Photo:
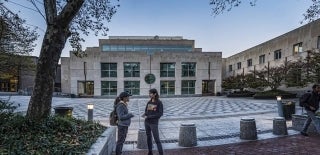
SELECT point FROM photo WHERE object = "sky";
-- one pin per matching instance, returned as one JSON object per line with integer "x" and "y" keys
{"x": 231, "y": 32}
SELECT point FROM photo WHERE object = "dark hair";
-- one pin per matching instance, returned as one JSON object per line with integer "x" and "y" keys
{"x": 154, "y": 91}
{"x": 315, "y": 86}
{"x": 116, "y": 101}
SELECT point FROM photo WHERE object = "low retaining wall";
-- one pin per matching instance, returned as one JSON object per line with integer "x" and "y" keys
{"x": 105, "y": 144}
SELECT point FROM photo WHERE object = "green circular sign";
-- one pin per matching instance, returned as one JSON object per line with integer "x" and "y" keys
{"x": 150, "y": 78}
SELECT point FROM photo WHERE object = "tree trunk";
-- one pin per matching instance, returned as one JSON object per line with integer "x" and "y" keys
{"x": 52, "y": 46}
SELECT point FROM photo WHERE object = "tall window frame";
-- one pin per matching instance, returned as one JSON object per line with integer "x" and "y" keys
{"x": 297, "y": 48}
{"x": 188, "y": 69}
{"x": 108, "y": 69}
{"x": 277, "y": 54}
{"x": 108, "y": 87}
{"x": 230, "y": 68}
{"x": 239, "y": 65}
{"x": 262, "y": 59}
{"x": 249, "y": 62}
{"x": 132, "y": 87}
{"x": 167, "y": 87}
{"x": 188, "y": 87}
{"x": 167, "y": 69}
{"x": 131, "y": 69}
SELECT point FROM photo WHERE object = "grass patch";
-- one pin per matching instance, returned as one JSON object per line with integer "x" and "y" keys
{"x": 54, "y": 135}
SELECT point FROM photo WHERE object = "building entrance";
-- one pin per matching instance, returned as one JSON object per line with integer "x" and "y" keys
{"x": 85, "y": 88}
{"x": 208, "y": 87}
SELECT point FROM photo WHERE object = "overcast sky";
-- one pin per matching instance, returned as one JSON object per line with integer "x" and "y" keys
{"x": 229, "y": 33}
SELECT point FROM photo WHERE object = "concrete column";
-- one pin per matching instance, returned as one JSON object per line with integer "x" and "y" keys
{"x": 142, "y": 139}
{"x": 280, "y": 126}
{"x": 188, "y": 135}
{"x": 248, "y": 129}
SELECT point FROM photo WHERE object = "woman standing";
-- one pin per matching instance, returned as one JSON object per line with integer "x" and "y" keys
{"x": 124, "y": 120}
{"x": 153, "y": 112}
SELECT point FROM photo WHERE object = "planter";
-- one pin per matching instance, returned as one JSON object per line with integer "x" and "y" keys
{"x": 63, "y": 111}
{"x": 286, "y": 109}
{"x": 298, "y": 122}
{"x": 105, "y": 144}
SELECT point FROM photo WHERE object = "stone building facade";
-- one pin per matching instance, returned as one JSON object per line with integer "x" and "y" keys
{"x": 137, "y": 63}
{"x": 290, "y": 46}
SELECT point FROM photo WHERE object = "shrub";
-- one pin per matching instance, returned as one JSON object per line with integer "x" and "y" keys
{"x": 54, "y": 135}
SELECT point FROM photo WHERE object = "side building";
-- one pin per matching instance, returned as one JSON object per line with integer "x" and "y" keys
{"x": 137, "y": 63}
{"x": 290, "y": 46}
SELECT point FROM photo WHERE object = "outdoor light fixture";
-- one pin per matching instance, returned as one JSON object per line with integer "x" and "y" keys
{"x": 90, "y": 105}
{"x": 278, "y": 98}
{"x": 90, "y": 111}
{"x": 280, "y": 106}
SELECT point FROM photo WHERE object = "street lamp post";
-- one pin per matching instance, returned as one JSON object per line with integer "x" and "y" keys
{"x": 90, "y": 111}
{"x": 280, "y": 107}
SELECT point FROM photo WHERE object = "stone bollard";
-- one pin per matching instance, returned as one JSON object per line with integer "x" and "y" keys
{"x": 248, "y": 129}
{"x": 188, "y": 135}
{"x": 142, "y": 139}
{"x": 280, "y": 126}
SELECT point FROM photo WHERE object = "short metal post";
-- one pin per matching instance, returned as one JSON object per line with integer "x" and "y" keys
{"x": 90, "y": 111}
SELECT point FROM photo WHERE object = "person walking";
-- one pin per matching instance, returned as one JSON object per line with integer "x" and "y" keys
{"x": 153, "y": 112}
{"x": 124, "y": 120}
{"x": 310, "y": 102}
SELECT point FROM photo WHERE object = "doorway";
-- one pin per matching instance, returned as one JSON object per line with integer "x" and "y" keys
{"x": 85, "y": 88}
{"x": 208, "y": 87}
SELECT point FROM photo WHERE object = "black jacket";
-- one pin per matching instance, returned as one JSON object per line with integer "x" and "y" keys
{"x": 153, "y": 111}
{"x": 311, "y": 99}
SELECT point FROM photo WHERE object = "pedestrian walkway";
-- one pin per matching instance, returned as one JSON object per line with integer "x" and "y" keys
{"x": 287, "y": 145}
{"x": 217, "y": 119}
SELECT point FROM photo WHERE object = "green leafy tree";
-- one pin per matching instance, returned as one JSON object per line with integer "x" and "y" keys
{"x": 219, "y": 6}
{"x": 313, "y": 66}
{"x": 65, "y": 19}
{"x": 16, "y": 42}
{"x": 234, "y": 82}
{"x": 272, "y": 77}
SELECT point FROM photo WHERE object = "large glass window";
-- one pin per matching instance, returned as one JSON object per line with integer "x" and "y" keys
{"x": 297, "y": 48}
{"x": 167, "y": 69}
{"x": 132, "y": 87}
{"x": 131, "y": 69}
{"x": 230, "y": 68}
{"x": 239, "y": 65}
{"x": 108, "y": 69}
{"x": 167, "y": 87}
{"x": 188, "y": 69}
{"x": 153, "y": 48}
{"x": 249, "y": 62}
{"x": 108, "y": 87}
{"x": 261, "y": 59}
{"x": 188, "y": 86}
{"x": 277, "y": 54}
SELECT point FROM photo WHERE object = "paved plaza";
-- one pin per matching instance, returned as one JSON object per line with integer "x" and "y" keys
{"x": 217, "y": 118}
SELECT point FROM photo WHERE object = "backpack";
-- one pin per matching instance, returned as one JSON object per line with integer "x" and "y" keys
{"x": 113, "y": 117}
{"x": 304, "y": 99}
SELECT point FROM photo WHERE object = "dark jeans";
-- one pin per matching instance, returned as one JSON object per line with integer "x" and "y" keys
{"x": 311, "y": 118}
{"x": 155, "y": 132}
{"x": 122, "y": 134}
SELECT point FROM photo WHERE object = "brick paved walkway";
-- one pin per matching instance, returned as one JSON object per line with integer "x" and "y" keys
{"x": 290, "y": 145}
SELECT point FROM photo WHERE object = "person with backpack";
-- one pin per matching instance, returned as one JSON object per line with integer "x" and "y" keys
{"x": 113, "y": 118}
{"x": 153, "y": 112}
{"x": 124, "y": 120}
{"x": 310, "y": 102}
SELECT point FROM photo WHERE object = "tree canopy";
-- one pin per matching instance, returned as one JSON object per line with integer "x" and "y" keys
{"x": 220, "y": 6}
